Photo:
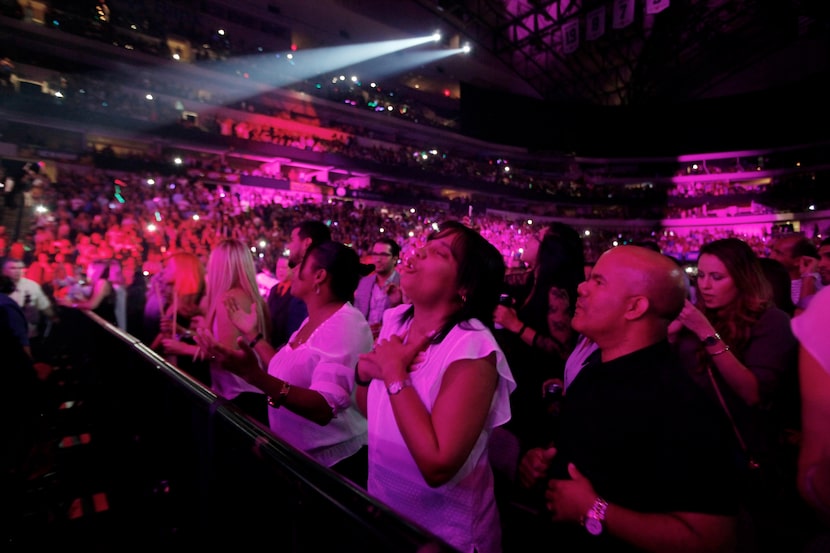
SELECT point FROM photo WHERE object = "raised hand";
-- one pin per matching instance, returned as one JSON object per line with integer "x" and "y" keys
{"x": 166, "y": 327}
{"x": 507, "y": 318}
{"x": 171, "y": 346}
{"x": 242, "y": 362}
{"x": 692, "y": 318}
{"x": 244, "y": 321}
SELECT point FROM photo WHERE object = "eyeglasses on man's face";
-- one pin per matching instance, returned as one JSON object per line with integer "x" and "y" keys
{"x": 382, "y": 254}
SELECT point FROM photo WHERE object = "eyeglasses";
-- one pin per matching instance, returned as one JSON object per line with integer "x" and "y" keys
{"x": 382, "y": 254}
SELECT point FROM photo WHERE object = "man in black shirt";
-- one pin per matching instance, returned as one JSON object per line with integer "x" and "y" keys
{"x": 642, "y": 461}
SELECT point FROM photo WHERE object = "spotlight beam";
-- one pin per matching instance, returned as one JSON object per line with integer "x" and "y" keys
{"x": 261, "y": 73}
{"x": 305, "y": 64}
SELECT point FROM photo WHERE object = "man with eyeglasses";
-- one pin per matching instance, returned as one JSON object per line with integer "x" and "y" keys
{"x": 380, "y": 290}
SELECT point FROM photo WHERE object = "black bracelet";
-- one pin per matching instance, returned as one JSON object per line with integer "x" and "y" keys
{"x": 357, "y": 379}
{"x": 533, "y": 342}
{"x": 253, "y": 342}
{"x": 519, "y": 334}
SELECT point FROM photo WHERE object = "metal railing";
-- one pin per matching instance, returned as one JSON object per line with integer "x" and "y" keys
{"x": 192, "y": 464}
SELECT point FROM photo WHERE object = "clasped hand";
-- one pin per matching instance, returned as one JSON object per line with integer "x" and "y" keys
{"x": 506, "y": 317}
{"x": 569, "y": 500}
{"x": 566, "y": 500}
{"x": 391, "y": 359}
{"x": 242, "y": 362}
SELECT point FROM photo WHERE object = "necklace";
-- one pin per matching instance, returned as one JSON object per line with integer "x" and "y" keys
{"x": 300, "y": 340}
{"x": 427, "y": 335}
{"x": 421, "y": 357}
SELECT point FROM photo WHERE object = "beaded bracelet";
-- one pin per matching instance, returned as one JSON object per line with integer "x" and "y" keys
{"x": 254, "y": 342}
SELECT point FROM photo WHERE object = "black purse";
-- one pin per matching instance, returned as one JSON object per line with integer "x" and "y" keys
{"x": 752, "y": 462}
{"x": 763, "y": 480}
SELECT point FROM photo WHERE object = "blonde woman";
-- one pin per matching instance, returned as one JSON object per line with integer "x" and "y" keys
{"x": 231, "y": 278}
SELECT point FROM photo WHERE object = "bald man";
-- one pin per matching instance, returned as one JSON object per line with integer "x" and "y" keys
{"x": 642, "y": 461}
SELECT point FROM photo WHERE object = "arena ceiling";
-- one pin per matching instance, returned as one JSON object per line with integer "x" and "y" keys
{"x": 689, "y": 50}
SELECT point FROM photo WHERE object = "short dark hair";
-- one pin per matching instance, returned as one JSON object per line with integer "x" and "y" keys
{"x": 9, "y": 259}
{"x": 342, "y": 264}
{"x": 779, "y": 280}
{"x": 803, "y": 246}
{"x": 396, "y": 249}
{"x": 316, "y": 230}
{"x": 7, "y": 285}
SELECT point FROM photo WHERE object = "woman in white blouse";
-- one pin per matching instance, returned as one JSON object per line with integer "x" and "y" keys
{"x": 310, "y": 380}
{"x": 435, "y": 387}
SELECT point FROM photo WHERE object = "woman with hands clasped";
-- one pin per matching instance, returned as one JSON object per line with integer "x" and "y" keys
{"x": 435, "y": 387}
{"x": 310, "y": 380}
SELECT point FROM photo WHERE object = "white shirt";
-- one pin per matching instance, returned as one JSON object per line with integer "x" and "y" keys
{"x": 36, "y": 296}
{"x": 810, "y": 327}
{"x": 324, "y": 363}
{"x": 578, "y": 358}
{"x": 463, "y": 511}
{"x": 37, "y": 300}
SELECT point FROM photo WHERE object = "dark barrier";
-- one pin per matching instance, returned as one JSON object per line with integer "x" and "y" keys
{"x": 216, "y": 475}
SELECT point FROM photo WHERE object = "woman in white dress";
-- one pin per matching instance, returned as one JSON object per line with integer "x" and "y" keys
{"x": 435, "y": 387}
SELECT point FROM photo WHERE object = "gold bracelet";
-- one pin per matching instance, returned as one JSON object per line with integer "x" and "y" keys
{"x": 278, "y": 401}
{"x": 719, "y": 352}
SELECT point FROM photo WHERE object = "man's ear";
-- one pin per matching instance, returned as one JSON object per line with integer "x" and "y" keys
{"x": 637, "y": 307}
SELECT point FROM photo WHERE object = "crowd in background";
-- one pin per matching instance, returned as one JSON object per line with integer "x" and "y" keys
{"x": 104, "y": 236}
{"x": 109, "y": 242}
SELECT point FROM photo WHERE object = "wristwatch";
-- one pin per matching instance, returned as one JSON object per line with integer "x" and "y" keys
{"x": 593, "y": 519}
{"x": 395, "y": 388}
{"x": 710, "y": 341}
